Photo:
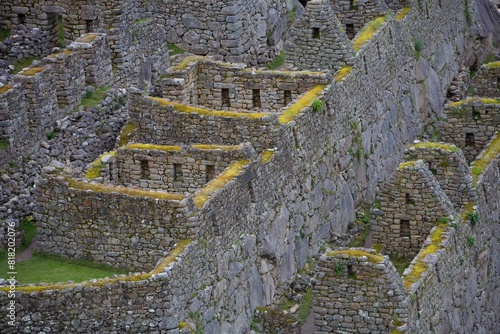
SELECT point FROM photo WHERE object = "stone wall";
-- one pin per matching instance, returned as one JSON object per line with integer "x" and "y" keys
{"x": 355, "y": 14}
{"x": 318, "y": 41}
{"x": 411, "y": 204}
{"x": 203, "y": 80}
{"x": 470, "y": 124}
{"x": 173, "y": 168}
{"x": 448, "y": 165}
{"x": 120, "y": 230}
{"x": 163, "y": 124}
{"x": 359, "y": 292}
{"x": 486, "y": 82}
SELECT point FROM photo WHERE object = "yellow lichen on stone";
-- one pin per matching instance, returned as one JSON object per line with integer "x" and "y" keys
{"x": 66, "y": 52}
{"x": 220, "y": 182}
{"x": 374, "y": 258}
{"x": 267, "y": 155}
{"x": 127, "y": 130}
{"x": 108, "y": 189}
{"x": 474, "y": 99}
{"x": 166, "y": 148}
{"x": 494, "y": 64}
{"x": 207, "y": 147}
{"x": 367, "y": 32}
{"x": 172, "y": 256}
{"x": 5, "y": 88}
{"x": 88, "y": 38}
{"x": 29, "y": 72}
{"x": 402, "y": 13}
{"x": 407, "y": 164}
{"x": 467, "y": 209}
{"x": 491, "y": 152}
{"x": 343, "y": 72}
{"x": 184, "y": 63}
{"x": 303, "y": 102}
{"x": 443, "y": 146}
{"x": 205, "y": 111}
{"x": 95, "y": 168}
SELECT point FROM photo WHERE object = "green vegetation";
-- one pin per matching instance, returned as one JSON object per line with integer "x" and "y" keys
{"x": 94, "y": 170}
{"x": 367, "y": 32}
{"x": 407, "y": 164}
{"x": 468, "y": 14}
{"x": 374, "y": 258}
{"x": 490, "y": 58}
{"x": 305, "y": 306}
{"x": 61, "y": 42}
{"x": 474, "y": 99}
{"x": 277, "y": 62}
{"x": 4, "y": 33}
{"x": 92, "y": 99}
{"x": 165, "y": 148}
{"x": 303, "y": 102}
{"x": 495, "y": 64}
{"x": 141, "y": 21}
{"x": 473, "y": 218}
{"x": 317, "y": 105}
{"x": 126, "y": 131}
{"x": 22, "y": 63}
{"x": 174, "y": 49}
{"x": 50, "y": 268}
{"x": 4, "y": 144}
{"x": 363, "y": 221}
{"x": 492, "y": 151}
{"x": 293, "y": 14}
{"x": 446, "y": 147}
{"x": 184, "y": 63}
{"x": 51, "y": 135}
{"x": 28, "y": 226}
{"x": 419, "y": 46}
{"x": 471, "y": 241}
{"x": 400, "y": 263}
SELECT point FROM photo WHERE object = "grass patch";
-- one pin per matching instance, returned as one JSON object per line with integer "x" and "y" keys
{"x": 108, "y": 189}
{"x": 4, "y": 34}
{"x": 367, "y": 32}
{"x": 362, "y": 220}
{"x": 165, "y": 148}
{"x": 407, "y": 164}
{"x": 276, "y": 62}
{"x": 474, "y": 99}
{"x": 419, "y": 46}
{"x": 400, "y": 263}
{"x": 490, "y": 58}
{"x": 184, "y": 63}
{"x": 374, "y": 258}
{"x": 141, "y": 21}
{"x": 343, "y": 73}
{"x": 306, "y": 100}
{"x": 22, "y": 63}
{"x": 4, "y": 144}
{"x": 402, "y": 13}
{"x": 220, "y": 182}
{"x": 31, "y": 71}
{"x": 88, "y": 38}
{"x": 94, "y": 170}
{"x": 468, "y": 210}
{"x": 208, "y": 147}
{"x": 50, "y": 268}
{"x": 174, "y": 49}
{"x": 92, "y": 99}
{"x": 205, "y": 111}
{"x": 427, "y": 144}
{"x": 305, "y": 306}
{"x": 491, "y": 152}
{"x": 127, "y": 130}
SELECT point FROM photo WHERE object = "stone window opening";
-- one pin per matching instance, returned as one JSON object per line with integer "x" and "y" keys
{"x": 352, "y": 5}
{"x": 469, "y": 140}
{"x": 145, "y": 170}
{"x": 226, "y": 100}
{"x": 498, "y": 79}
{"x": 404, "y": 229}
{"x": 316, "y": 33}
{"x": 110, "y": 171}
{"x": 287, "y": 95}
{"x": 252, "y": 192}
{"x": 21, "y": 18}
{"x": 89, "y": 26}
{"x": 350, "y": 271}
{"x": 349, "y": 30}
{"x": 303, "y": 3}
{"x": 365, "y": 66}
{"x": 409, "y": 199}
{"x": 209, "y": 173}
{"x": 256, "y": 102}
{"x": 177, "y": 172}
{"x": 295, "y": 139}
{"x": 433, "y": 170}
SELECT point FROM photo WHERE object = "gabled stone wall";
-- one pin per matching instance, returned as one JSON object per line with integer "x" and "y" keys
{"x": 354, "y": 14}
{"x": 411, "y": 204}
{"x": 470, "y": 124}
{"x": 486, "y": 82}
{"x": 448, "y": 165}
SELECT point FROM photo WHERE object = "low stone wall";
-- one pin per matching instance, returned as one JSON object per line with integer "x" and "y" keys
{"x": 161, "y": 123}
{"x": 102, "y": 225}
{"x": 173, "y": 168}
{"x": 359, "y": 292}
{"x": 486, "y": 82}
{"x": 470, "y": 124}
{"x": 448, "y": 165}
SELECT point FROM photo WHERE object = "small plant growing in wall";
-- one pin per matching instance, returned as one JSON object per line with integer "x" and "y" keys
{"x": 471, "y": 241}
{"x": 443, "y": 221}
{"x": 339, "y": 269}
{"x": 418, "y": 48}
{"x": 473, "y": 218}
{"x": 317, "y": 105}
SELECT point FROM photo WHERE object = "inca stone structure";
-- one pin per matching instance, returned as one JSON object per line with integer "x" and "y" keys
{"x": 216, "y": 182}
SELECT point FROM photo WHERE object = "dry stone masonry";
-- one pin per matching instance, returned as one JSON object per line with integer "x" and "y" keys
{"x": 286, "y": 178}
